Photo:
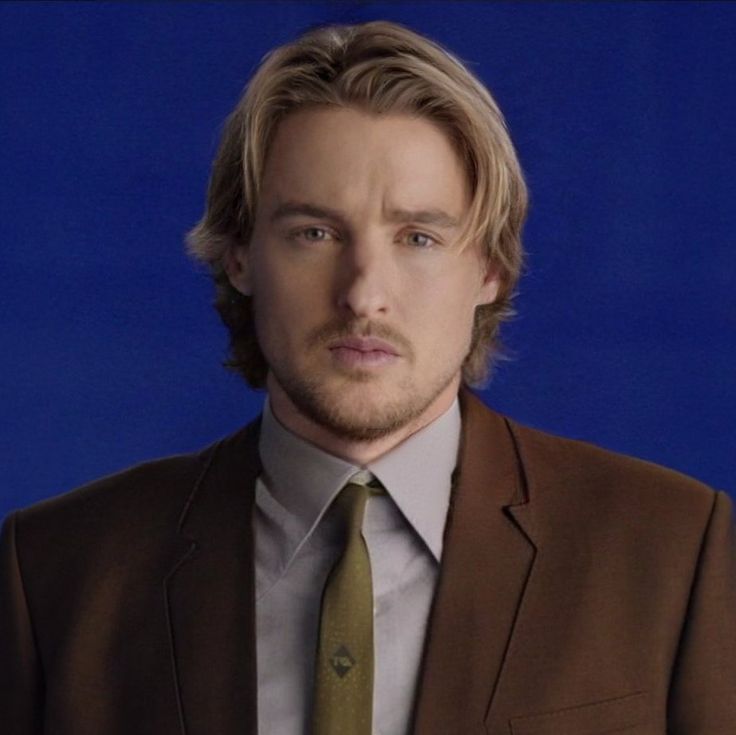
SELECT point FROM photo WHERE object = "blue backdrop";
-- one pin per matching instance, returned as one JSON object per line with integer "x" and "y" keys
{"x": 623, "y": 114}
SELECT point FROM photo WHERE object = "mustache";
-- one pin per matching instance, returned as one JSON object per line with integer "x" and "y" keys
{"x": 341, "y": 329}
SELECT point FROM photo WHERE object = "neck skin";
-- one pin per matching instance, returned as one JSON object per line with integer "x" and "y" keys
{"x": 357, "y": 452}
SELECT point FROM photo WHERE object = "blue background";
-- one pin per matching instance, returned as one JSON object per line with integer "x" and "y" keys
{"x": 623, "y": 115}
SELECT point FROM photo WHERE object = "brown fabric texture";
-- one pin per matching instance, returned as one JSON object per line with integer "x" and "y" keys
{"x": 580, "y": 593}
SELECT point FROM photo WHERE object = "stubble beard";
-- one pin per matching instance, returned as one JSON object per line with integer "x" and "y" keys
{"x": 331, "y": 404}
{"x": 354, "y": 421}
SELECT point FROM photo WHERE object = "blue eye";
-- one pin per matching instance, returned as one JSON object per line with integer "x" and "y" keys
{"x": 314, "y": 234}
{"x": 420, "y": 239}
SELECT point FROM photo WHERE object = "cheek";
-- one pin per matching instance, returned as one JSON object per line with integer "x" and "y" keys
{"x": 442, "y": 317}
{"x": 285, "y": 278}
{"x": 273, "y": 285}
{"x": 286, "y": 305}
{"x": 453, "y": 297}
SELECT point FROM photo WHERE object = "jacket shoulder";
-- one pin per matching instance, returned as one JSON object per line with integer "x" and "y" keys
{"x": 153, "y": 483}
{"x": 132, "y": 503}
{"x": 583, "y": 472}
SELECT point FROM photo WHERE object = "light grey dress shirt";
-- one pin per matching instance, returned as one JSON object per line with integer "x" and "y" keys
{"x": 298, "y": 541}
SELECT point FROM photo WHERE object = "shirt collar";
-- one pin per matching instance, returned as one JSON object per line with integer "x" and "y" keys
{"x": 304, "y": 479}
{"x": 418, "y": 474}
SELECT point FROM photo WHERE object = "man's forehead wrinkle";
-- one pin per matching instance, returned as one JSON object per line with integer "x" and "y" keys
{"x": 286, "y": 209}
{"x": 434, "y": 216}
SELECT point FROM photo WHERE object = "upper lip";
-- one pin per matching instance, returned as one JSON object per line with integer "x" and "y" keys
{"x": 364, "y": 344}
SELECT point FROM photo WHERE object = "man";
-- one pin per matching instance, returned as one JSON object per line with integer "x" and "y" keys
{"x": 379, "y": 552}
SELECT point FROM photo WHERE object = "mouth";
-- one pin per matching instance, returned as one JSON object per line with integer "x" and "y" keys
{"x": 365, "y": 352}
{"x": 364, "y": 344}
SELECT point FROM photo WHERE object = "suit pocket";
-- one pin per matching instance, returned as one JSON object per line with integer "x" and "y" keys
{"x": 622, "y": 714}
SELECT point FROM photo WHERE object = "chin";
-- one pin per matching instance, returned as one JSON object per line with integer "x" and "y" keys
{"x": 358, "y": 411}
{"x": 357, "y": 403}
{"x": 359, "y": 424}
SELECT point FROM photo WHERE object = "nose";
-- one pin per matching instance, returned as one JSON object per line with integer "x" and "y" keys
{"x": 364, "y": 278}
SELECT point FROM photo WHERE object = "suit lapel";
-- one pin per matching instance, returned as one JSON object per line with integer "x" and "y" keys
{"x": 209, "y": 594}
{"x": 487, "y": 559}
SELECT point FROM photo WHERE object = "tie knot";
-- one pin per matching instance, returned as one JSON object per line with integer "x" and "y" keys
{"x": 375, "y": 487}
{"x": 353, "y": 498}
{"x": 367, "y": 478}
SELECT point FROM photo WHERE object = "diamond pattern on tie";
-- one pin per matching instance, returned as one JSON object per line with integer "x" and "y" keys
{"x": 342, "y": 661}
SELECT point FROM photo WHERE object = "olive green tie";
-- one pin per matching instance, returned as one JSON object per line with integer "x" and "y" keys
{"x": 343, "y": 695}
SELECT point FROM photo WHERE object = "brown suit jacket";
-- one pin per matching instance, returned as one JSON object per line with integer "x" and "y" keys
{"x": 580, "y": 593}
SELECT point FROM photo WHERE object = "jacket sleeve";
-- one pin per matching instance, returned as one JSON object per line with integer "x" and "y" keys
{"x": 21, "y": 681}
{"x": 703, "y": 688}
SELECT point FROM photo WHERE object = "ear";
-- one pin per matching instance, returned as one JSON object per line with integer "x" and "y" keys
{"x": 236, "y": 262}
{"x": 490, "y": 285}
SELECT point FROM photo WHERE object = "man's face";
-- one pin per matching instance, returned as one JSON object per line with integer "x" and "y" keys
{"x": 363, "y": 297}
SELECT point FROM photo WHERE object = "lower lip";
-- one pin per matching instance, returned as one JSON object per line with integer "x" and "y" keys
{"x": 356, "y": 358}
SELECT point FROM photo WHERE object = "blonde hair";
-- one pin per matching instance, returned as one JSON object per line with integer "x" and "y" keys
{"x": 379, "y": 67}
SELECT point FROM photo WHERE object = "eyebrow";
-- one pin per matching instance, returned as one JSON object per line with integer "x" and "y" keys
{"x": 435, "y": 217}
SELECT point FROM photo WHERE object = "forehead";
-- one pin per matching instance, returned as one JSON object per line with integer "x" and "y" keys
{"x": 354, "y": 159}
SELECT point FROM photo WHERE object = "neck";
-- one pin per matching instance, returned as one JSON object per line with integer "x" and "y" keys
{"x": 357, "y": 452}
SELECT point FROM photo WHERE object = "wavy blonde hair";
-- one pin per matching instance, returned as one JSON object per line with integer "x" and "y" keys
{"x": 379, "y": 67}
